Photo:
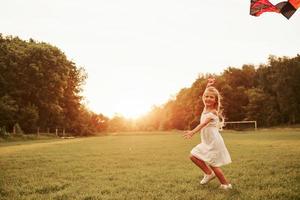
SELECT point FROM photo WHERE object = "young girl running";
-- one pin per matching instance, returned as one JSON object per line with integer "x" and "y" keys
{"x": 211, "y": 153}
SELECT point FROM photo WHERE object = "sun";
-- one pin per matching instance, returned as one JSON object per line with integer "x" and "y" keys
{"x": 133, "y": 108}
{"x": 127, "y": 105}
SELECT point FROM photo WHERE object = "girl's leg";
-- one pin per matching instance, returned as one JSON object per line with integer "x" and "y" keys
{"x": 219, "y": 173}
{"x": 201, "y": 164}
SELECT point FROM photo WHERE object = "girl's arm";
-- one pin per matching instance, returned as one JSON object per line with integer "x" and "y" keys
{"x": 189, "y": 134}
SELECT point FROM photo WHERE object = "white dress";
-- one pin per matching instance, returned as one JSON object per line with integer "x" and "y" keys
{"x": 212, "y": 149}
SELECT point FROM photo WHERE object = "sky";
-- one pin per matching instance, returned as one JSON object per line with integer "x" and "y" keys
{"x": 139, "y": 53}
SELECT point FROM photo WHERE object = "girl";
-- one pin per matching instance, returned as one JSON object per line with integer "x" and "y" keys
{"x": 211, "y": 153}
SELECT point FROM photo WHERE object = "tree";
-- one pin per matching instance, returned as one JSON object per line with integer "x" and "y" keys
{"x": 42, "y": 83}
{"x": 262, "y": 107}
{"x": 8, "y": 111}
{"x": 28, "y": 117}
{"x": 117, "y": 123}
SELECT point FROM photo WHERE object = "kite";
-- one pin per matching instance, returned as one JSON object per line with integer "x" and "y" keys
{"x": 258, "y": 7}
{"x": 286, "y": 8}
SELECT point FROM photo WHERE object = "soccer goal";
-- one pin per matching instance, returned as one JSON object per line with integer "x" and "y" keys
{"x": 240, "y": 125}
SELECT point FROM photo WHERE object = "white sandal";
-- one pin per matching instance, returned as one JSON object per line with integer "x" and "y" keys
{"x": 226, "y": 187}
{"x": 207, "y": 178}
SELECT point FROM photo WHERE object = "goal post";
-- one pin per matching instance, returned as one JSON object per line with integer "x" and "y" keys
{"x": 242, "y": 122}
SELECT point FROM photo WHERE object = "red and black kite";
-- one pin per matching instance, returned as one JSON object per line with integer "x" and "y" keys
{"x": 286, "y": 8}
{"x": 258, "y": 7}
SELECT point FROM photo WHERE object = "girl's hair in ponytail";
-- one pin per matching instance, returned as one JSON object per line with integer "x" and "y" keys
{"x": 218, "y": 105}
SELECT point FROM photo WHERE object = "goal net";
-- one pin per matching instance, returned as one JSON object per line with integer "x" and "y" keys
{"x": 240, "y": 125}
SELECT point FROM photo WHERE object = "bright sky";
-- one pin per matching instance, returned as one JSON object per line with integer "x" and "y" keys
{"x": 139, "y": 53}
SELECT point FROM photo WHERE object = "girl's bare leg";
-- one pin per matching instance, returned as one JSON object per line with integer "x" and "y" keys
{"x": 201, "y": 164}
{"x": 219, "y": 173}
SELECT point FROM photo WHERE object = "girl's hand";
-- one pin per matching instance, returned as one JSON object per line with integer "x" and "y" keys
{"x": 210, "y": 81}
{"x": 188, "y": 134}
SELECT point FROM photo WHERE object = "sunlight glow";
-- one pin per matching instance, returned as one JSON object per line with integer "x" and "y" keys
{"x": 136, "y": 91}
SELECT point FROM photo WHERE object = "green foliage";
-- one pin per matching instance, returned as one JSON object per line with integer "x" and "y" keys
{"x": 8, "y": 111}
{"x": 28, "y": 117}
{"x": 262, "y": 107}
{"x": 39, "y": 87}
{"x": 3, "y": 132}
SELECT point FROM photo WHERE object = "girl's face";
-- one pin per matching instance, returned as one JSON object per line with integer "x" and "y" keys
{"x": 209, "y": 99}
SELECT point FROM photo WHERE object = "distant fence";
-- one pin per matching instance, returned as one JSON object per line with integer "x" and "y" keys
{"x": 57, "y": 131}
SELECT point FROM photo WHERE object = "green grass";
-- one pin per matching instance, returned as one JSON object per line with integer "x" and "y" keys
{"x": 266, "y": 165}
{"x": 26, "y": 137}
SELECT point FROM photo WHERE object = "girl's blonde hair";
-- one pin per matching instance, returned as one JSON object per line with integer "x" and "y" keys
{"x": 218, "y": 105}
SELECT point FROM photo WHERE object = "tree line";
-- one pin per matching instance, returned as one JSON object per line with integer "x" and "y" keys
{"x": 40, "y": 87}
{"x": 268, "y": 93}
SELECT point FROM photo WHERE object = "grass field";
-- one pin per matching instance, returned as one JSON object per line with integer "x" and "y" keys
{"x": 266, "y": 165}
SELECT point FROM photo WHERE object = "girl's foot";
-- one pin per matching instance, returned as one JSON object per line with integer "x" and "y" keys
{"x": 207, "y": 178}
{"x": 226, "y": 187}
